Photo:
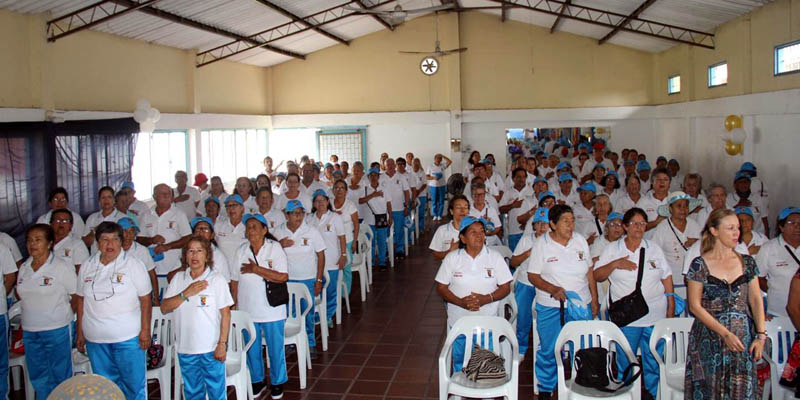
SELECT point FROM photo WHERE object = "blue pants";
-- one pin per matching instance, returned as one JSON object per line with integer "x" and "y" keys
{"x": 273, "y": 333}
{"x": 399, "y": 238}
{"x": 437, "y": 198}
{"x": 379, "y": 236}
{"x": 330, "y": 296}
{"x": 524, "y": 295}
{"x": 423, "y": 202}
{"x": 310, "y": 316}
{"x": 348, "y": 269}
{"x": 639, "y": 339}
{"x": 513, "y": 240}
{"x": 48, "y": 357}
{"x": 4, "y": 357}
{"x": 123, "y": 363}
{"x": 548, "y": 326}
{"x": 203, "y": 375}
{"x": 459, "y": 348}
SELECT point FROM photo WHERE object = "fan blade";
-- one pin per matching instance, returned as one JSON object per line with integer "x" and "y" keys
{"x": 416, "y": 52}
{"x": 430, "y": 9}
{"x": 364, "y": 11}
{"x": 451, "y": 51}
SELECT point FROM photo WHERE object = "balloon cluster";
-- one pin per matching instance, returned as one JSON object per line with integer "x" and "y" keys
{"x": 146, "y": 116}
{"x": 734, "y": 139}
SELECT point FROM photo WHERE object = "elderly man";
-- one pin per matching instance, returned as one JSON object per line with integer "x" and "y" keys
{"x": 186, "y": 197}
{"x": 167, "y": 228}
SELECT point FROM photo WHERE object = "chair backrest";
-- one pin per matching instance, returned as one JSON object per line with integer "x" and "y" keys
{"x": 240, "y": 321}
{"x": 162, "y": 329}
{"x": 675, "y": 334}
{"x": 485, "y": 331}
{"x": 781, "y": 332}
{"x": 504, "y": 251}
{"x": 585, "y": 334}
{"x": 366, "y": 230}
{"x": 15, "y": 310}
{"x": 297, "y": 292}
{"x": 508, "y": 309}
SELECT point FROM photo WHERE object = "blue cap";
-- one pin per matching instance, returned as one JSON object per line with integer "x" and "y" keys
{"x": 234, "y": 198}
{"x": 282, "y": 175}
{"x": 613, "y": 216}
{"x": 786, "y": 212}
{"x": 545, "y": 194}
{"x": 257, "y": 217}
{"x": 215, "y": 199}
{"x": 127, "y": 185}
{"x": 643, "y": 166}
{"x": 155, "y": 256}
{"x": 486, "y": 161}
{"x": 542, "y": 215}
{"x": 744, "y": 210}
{"x": 564, "y": 177}
{"x": 197, "y": 220}
{"x": 563, "y": 165}
{"x": 328, "y": 165}
{"x": 748, "y": 166}
{"x": 661, "y": 158}
{"x": 319, "y": 192}
{"x": 741, "y": 175}
{"x": 584, "y": 145}
{"x": 373, "y": 171}
{"x": 539, "y": 179}
{"x": 292, "y": 205}
{"x": 127, "y": 223}
{"x": 588, "y": 187}
{"x": 614, "y": 173}
{"x": 467, "y": 221}
{"x": 599, "y": 165}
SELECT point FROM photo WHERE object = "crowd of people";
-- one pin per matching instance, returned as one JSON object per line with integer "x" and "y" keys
{"x": 575, "y": 217}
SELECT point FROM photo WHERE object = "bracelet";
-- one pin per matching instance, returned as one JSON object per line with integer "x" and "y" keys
{"x": 491, "y": 297}
{"x": 319, "y": 280}
{"x": 184, "y": 297}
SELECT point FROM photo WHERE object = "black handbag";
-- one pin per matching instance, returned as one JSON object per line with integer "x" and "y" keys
{"x": 381, "y": 220}
{"x": 277, "y": 293}
{"x": 633, "y": 306}
{"x": 595, "y": 367}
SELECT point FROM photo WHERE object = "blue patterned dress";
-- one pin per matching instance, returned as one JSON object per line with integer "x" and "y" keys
{"x": 712, "y": 370}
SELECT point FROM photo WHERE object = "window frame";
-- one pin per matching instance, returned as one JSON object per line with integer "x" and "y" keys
{"x": 775, "y": 58}
{"x": 708, "y": 74}
{"x": 201, "y": 131}
{"x": 150, "y": 146}
{"x": 669, "y": 78}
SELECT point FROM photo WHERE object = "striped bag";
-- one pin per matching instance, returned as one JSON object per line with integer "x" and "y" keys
{"x": 484, "y": 365}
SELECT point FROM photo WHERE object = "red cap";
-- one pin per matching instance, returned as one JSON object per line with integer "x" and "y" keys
{"x": 200, "y": 179}
{"x": 598, "y": 146}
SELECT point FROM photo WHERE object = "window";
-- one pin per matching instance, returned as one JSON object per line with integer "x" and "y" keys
{"x": 231, "y": 153}
{"x": 718, "y": 74}
{"x": 291, "y": 144}
{"x": 157, "y": 157}
{"x": 674, "y": 84}
{"x": 347, "y": 144}
{"x": 787, "y": 58}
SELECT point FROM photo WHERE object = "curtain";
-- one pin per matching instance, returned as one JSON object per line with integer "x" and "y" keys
{"x": 81, "y": 156}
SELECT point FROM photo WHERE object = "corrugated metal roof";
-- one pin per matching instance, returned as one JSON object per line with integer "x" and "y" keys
{"x": 246, "y": 17}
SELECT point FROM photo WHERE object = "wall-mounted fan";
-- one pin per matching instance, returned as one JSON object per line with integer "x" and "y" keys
{"x": 398, "y": 15}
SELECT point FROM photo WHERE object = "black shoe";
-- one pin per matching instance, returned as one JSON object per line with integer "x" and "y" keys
{"x": 258, "y": 388}
{"x": 277, "y": 391}
{"x": 544, "y": 396}
{"x": 313, "y": 353}
{"x": 382, "y": 267}
{"x": 401, "y": 256}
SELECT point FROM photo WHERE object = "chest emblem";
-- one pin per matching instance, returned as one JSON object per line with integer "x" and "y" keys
{"x": 328, "y": 227}
{"x": 47, "y": 281}
{"x": 580, "y": 255}
{"x": 203, "y": 301}
{"x": 66, "y": 252}
{"x": 305, "y": 241}
{"x": 653, "y": 264}
{"x": 118, "y": 277}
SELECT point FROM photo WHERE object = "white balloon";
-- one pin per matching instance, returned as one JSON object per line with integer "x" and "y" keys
{"x": 738, "y": 135}
{"x": 147, "y": 126}
{"x": 142, "y": 104}
{"x": 154, "y": 115}
{"x": 140, "y": 115}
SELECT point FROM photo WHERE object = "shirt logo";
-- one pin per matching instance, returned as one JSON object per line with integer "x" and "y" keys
{"x": 328, "y": 227}
{"x": 269, "y": 262}
{"x": 489, "y": 272}
{"x": 781, "y": 263}
{"x": 203, "y": 301}
{"x": 552, "y": 259}
{"x": 580, "y": 255}
{"x": 118, "y": 277}
{"x": 305, "y": 241}
{"x": 271, "y": 224}
{"x": 171, "y": 224}
{"x": 47, "y": 281}
{"x": 66, "y": 252}
{"x": 653, "y": 264}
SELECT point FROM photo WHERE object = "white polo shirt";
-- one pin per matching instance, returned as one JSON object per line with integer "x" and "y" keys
{"x": 375, "y": 205}
{"x": 305, "y": 200}
{"x": 201, "y": 207}
{"x": 46, "y": 294}
{"x": 330, "y": 226}
{"x": 670, "y": 244}
{"x": 421, "y": 180}
{"x": 139, "y": 207}
{"x": 570, "y": 199}
{"x": 775, "y": 264}
{"x": 443, "y": 236}
{"x": 394, "y": 187}
{"x": 434, "y": 169}
{"x": 188, "y": 206}
{"x": 464, "y": 275}
{"x": 346, "y": 211}
{"x": 230, "y": 238}
{"x": 302, "y": 254}
{"x": 584, "y": 219}
{"x": 197, "y": 321}
{"x": 598, "y": 246}
{"x": 275, "y": 218}
{"x": 252, "y": 287}
{"x": 757, "y": 206}
{"x": 7, "y": 266}
{"x": 623, "y": 282}
{"x": 111, "y": 309}
{"x": 497, "y": 181}
{"x": 650, "y": 205}
{"x": 526, "y": 242}
{"x": 590, "y": 228}
{"x": 411, "y": 179}
{"x": 78, "y": 227}
{"x": 221, "y": 264}
{"x": 172, "y": 225}
{"x": 72, "y": 250}
{"x": 757, "y": 240}
{"x": 142, "y": 254}
{"x": 511, "y": 196}
{"x": 97, "y": 218}
{"x": 564, "y": 266}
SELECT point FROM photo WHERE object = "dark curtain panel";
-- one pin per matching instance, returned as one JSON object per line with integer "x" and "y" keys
{"x": 81, "y": 156}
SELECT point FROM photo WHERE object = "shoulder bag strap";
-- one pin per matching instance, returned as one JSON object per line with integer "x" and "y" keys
{"x": 641, "y": 270}
{"x": 786, "y": 246}
{"x": 676, "y": 235}
{"x": 599, "y": 229}
{"x": 368, "y": 205}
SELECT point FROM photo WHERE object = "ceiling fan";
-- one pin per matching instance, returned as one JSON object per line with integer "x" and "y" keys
{"x": 437, "y": 50}
{"x": 398, "y": 15}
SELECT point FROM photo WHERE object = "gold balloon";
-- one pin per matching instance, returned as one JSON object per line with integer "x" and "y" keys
{"x": 733, "y": 148}
{"x": 732, "y": 122}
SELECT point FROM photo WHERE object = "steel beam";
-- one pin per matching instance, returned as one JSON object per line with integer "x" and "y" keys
{"x": 281, "y": 31}
{"x": 377, "y": 18}
{"x": 627, "y": 20}
{"x": 503, "y": 13}
{"x": 613, "y": 20}
{"x": 308, "y": 21}
{"x": 90, "y": 16}
{"x": 560, "y": 15}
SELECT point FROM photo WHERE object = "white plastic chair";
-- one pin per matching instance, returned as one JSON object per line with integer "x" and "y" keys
{"x": 295, "y": 329}
{"x": 504, "y": 251}
{"x": 341, "y": 293}
{"x": 368, "y": 250}
{"x": 162, "y": 330}
{"x": 781, "y": 333}
{"x": 362, "y": 268}
{"x": 80, "y": 363}
{"x": 390, "y": 245}
{"x": 505, "y": 231}
{"x": 675, "y": 334}
{"x": 236, "y": 372}
{"x": 321, "y": 308}
{"x": 584, "y": 334}
{"x": 487, "y": 330}
{"x": 18, "y": 360}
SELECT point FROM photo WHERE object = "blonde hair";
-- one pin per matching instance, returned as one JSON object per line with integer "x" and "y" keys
{"x": 713, "y": 221}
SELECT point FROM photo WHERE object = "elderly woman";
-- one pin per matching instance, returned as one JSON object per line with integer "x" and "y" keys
{"x": 471, "y": 279}
{"x": 293, "y": 192}
{"x": 593, "y": 229}
{"x": 211, "y": 209}
{"x": 67, "y": 246}
{"x": 258, "y": 262}
{"x": 677, "y": 233}
{"x": 610, "y": 186}
{"x": 266, "y": 207}
{"x": 725, "y": 299}
{"x": 216, "y": 190}
{"x": 203, "y": 228}
{"x": 612, "y": 232}
{"x": 422, "y": 194}
{"x": 46, "y": 287}
{"x": 481, "y": 209}
{"x": 748, "y": 237}
{"x": 246, "y": 190}
{"x": 349, "y": 213}
{"x": 446, "y": 239}
{"x": 57, "y": 200}
{"x": 105, "y": 197}
{"x": 619, "y": 264}
{"x": 632, "y": 196}
{"x": 113, "y": 304}
{"x": 331, "y": 227}
{"x": 377, "y": 202}
{"x": 777, "y": 261}
{"x": 201, "y": 302}
{"x": 559, "y": 262}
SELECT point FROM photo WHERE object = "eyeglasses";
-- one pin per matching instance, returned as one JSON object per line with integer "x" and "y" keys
{"x": 104, "y": 295}
{"x": 62, "y": 221}
{"x": 616, "y": 225}
{"x": 638, "y": 224}
{"x": 203, "y": 229}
